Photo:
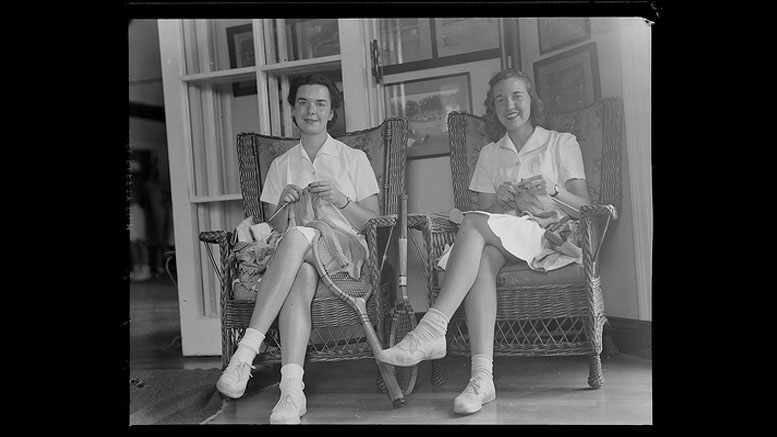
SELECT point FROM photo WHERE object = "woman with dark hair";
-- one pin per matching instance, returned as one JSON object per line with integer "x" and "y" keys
{"x": 526, "y": 160}
{"x": 343, "y": 178}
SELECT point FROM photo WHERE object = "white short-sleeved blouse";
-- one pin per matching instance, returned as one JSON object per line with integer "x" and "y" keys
{"x": 555, "y": 155}
{"x": 348, "y": 168}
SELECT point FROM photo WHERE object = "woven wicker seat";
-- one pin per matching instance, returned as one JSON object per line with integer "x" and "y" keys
{"x": 541, "y": 314}
{"x": 336, "y": 331}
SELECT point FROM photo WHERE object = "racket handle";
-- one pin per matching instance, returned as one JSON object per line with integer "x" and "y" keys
{"x": 402, "y": 243}
{"x": 386, "y": 371}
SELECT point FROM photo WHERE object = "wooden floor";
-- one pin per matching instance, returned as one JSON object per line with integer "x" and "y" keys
{"x": 529, "y": 391}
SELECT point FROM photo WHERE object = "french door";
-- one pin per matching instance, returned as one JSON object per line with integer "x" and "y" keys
{"x": 224, "y": 77}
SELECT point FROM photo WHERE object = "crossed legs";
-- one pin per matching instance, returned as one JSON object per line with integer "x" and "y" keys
{"x": 286, "y": 291}
{"x": 470, "y": 277}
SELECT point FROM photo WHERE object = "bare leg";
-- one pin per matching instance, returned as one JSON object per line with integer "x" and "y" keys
{"x": 288, "y": 283}
{"x": 480, "y": 303}
{"x": 474, "y": 261}
{"x": 294, "y": 321}
{"x": 278, "y": 280}
{"x": 465, "y": 261}
{"x": 295, "y": 324}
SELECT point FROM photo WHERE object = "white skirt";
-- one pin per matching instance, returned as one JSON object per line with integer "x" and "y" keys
{"x": 520, "y": 236}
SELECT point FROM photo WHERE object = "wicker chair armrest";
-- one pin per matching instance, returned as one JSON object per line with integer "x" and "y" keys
{"x": 381, "y": 221}
{"x": 593, "y": 211}
{"x": 599, "y": 215}
{"x": 213, "y": 237}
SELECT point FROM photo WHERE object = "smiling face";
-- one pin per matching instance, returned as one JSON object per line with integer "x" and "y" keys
{"x": 512, "y": 104}
{"x": 312, "y": 109}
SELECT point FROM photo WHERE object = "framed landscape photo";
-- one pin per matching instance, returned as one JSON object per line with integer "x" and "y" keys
{"x": 426, "y": 104}
{"x": 569, "y": 80}
{"x": 240, "y": 44}
{"x": 556, "y": 33}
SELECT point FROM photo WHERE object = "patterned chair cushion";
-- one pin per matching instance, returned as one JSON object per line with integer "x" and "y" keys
{"x": 520, "y": 275}
{"x": 586, "y": 125}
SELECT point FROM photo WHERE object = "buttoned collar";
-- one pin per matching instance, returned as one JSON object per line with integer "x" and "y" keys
{"x": 537, "y": 139}
{"x": 328, "y": 148}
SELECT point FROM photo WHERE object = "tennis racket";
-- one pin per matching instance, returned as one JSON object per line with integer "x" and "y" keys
{"x": 356, "y": 294}
{"x": 403, "y": 318}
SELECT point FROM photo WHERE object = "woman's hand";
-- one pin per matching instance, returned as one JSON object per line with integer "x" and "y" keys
{"x": 505, "y": 195}
{"x": 327, "y": 191}
{"x": 538, "y": 185}
{"x": 290, "y": 193}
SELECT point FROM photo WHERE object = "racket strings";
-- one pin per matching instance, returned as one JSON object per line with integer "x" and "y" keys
{"x": 403, "y": 321}
{"x": 331, "y": 269}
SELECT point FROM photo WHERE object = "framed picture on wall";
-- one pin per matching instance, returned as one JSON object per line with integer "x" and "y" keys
{"x": 557, "y": 33}
{"x": 240, "y": 44}
{"x": 569, "y": 80}
{"x": 426, "y": 104}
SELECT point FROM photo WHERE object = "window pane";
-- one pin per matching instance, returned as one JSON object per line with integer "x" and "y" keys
{"x": 215, "y": 45}
{"x": 465, "y": 35}
{"x": 405, "y": 40}
{"x": 297, "y": 39}
{"x": 218, "y": 112}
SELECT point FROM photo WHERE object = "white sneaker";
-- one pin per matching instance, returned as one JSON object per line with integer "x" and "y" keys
{"x": 411, "y": 351}
{"x": 479, "y": 391}
{"x": 234, "y": 379}
{"x": 289, "y": 409}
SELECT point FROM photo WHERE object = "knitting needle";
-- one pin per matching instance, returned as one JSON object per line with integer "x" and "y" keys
{"x": 267, "y": 238}
{"x": 566, "y": 204}
{"x": 277, "y": 211}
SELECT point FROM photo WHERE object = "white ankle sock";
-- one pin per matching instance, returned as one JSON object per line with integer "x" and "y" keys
{"x": 482, "y": 365}
{"x": 249, "y": 345}
{"x": 433, "y": 325}
{"x": 291, "y": 379}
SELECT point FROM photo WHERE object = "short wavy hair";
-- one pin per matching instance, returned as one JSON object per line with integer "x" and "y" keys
{"x": 494, "y": 129}
{"x": 316, "y": 79}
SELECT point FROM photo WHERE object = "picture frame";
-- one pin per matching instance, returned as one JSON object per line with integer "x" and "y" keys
{"x": 411, "y": 44}
{"x": 426, "y": 104}
{"x": 557, "y": 33}
{"x": 240, "y": 45}
{"x": 569, "y": 80}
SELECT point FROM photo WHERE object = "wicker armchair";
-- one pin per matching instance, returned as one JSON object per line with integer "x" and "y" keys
{"x": 336, "y": 331}
{"x": 541, "y": 314}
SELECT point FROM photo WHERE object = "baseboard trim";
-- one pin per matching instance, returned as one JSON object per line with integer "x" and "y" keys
{"x": 632, "y": 336}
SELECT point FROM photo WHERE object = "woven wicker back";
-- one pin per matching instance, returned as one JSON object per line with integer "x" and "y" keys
{"x": 599, "y": 131}
{"x": 385, "y": 146}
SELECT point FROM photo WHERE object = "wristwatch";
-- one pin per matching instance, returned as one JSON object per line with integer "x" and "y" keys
{"x": 347, "y": 202}
{"x": 555, "y": 192}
